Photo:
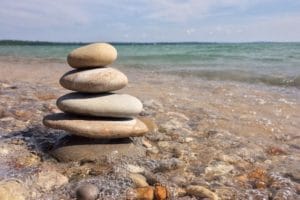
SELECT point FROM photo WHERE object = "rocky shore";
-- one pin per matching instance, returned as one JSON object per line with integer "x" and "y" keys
{"x": 207, "y": 140}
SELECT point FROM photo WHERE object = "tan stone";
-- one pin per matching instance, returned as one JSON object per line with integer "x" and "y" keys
{"x": 92, "y": 55}
{"x": 100, "y": 105}
{"x": 138, "y": 180}
{"x": 12, "y": 190}
{"x": 50, "y": 179}
{"x": 94, "y": 80}
{"x": 202, "y": 192}
{"x": 96, "y": 127}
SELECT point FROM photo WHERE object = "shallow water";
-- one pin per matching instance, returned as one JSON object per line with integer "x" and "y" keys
{"x": 268, "y": 63}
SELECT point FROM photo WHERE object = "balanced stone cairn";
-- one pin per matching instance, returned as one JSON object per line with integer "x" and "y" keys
{"x": 93, "y": 112}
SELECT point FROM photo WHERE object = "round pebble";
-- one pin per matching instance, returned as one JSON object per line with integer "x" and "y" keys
{"x": 87, "y": 192}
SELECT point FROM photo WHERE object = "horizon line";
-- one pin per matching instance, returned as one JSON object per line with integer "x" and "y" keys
{"x": 20, "y": 42}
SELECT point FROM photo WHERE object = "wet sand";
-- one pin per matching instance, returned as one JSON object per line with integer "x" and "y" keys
{"x": 240, "y": 141}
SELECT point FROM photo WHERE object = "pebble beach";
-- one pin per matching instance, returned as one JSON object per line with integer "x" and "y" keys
{"x": 207, "y": 138}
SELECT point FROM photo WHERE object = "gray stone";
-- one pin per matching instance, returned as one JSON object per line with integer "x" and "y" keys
{"x": 87, "y": 192}
{"x": 101, "y": 105}
{"x": 94, "y": 80}
{"x": 93, "y": 55}
{"x": 80, "y": 149}
{"x": 94, "y": 127}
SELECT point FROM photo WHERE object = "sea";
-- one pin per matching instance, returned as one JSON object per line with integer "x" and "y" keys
{"x": 275, "y": 64}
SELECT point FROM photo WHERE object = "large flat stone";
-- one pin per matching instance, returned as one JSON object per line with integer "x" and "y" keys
{"x": 94, "y": 80}
{"x": 82, "y": 149}
{"x": 94, "y": 127}
{"x": 101, "y": 105}
{"x": 93, "y": 55}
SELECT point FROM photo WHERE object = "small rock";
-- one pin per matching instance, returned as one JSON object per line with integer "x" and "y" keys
{"x": 150, "y": 124}
{"x": 135, "y": 169}
{"x": 218, "y": 170}
{"x": 160, "y": 192}
{"x": 152, "y": 150}
{"x": 23, "y": 115}
{"x": 87, "y": 192}
{"x": 189, "y": 139}
{"x": 169, "y": 164}
{"x": 179, "y": 180}
{"x": 202, "y": 192}
{"x": 142, "y": 193}
{"x": 146, "y": 143}
{"x": 138, "y": 180}
{"x": 45, "y": 96}
{"x": 163, "y": 144}
{"x": 151, "y": 177}
{"x": 12, "y": 190}
{"x": 48, "y": 180}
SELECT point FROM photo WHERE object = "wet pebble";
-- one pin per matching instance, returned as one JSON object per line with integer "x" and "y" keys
{"x": 12, "y": 190}
{"x": 87, "y": 192}
{"x": 202, "y": 192}
{"x": 138, "y": 180}
{"x": 142, "y": 193}
{"x": 169, "y": 164}
{"x": 135, "y": 169}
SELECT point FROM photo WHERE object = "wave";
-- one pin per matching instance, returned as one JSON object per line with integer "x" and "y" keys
{"x": 240, "y": 76}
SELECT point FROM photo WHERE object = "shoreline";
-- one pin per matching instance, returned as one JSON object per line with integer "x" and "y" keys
{"x": 232, "y": 138}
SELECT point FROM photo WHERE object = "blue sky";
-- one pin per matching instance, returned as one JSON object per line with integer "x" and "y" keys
{"x": 150, "y": 20}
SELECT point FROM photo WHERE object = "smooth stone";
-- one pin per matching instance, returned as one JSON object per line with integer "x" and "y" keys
{"x": 94, "y": 80}
{"x": 138, "y": 180}
{"x": 100, "y": 105}
{"x": 80, "y": 149}
{"x": 87, "y": 192}
{"x": 92, "y": 55}
{"x": 93, "y": 127}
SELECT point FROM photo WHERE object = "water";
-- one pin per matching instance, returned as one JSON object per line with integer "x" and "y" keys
{"x": 269, "y": 63}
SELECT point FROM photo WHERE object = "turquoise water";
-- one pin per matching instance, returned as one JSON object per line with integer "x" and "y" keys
{"x": 268, "y": 63}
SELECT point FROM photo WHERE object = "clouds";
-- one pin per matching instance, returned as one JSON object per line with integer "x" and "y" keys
{"x": 150, "y": 20}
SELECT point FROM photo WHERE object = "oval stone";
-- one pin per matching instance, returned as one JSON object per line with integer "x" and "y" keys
{"x": 74, "y": 148}
{"x": 94, "y": 127}
{"x": 94, "y": 80}
{"x": 101, "y": 105}
{"x": 92, "y": 55}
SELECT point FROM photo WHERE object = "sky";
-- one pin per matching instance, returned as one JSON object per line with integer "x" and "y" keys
{"x": 150, "y": 20}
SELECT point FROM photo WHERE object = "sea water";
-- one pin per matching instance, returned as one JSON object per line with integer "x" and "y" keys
{"x": 268, "y": 63}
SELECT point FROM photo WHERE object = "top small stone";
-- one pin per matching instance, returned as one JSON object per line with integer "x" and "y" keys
{"x": 92, "y": 55}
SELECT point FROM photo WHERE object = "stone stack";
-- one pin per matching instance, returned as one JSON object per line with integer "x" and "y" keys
{"x": 94, "y": 113}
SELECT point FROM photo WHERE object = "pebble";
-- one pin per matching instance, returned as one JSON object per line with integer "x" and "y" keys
{"x": 135, "y": 169}
{"x": 87, "y": 192}
{"x": 50, "y": 179}
{"x": 94, "y": 80}
{"x": 160, "y": 192}
{"x": 169, "y": 164}
{"x": 12, "y": 190}
{"x": 93, "y": 127}
{"x": 202, "y": 192}
{"x": 92, "y": 55}
{"x": 142, "y": 193}
{"x": 138, "y": 180}
{"x": 100, "y": 105}
{"x": 96, "y": 152}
